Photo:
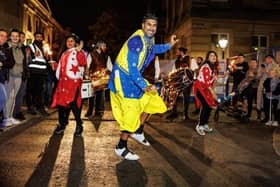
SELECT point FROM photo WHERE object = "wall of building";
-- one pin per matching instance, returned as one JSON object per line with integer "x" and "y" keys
{"x": 30, "y": 16}
{"x": 195, "y": 34}
{"x": 10, "y": 14}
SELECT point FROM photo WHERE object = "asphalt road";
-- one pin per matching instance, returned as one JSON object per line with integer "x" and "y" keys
{"x": 235, "y": 154}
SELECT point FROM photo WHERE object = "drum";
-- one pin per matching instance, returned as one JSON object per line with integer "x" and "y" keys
{"x": 87, "y": 89}
{"x": 174, "y": 84}
{"x": 100, "y": 79}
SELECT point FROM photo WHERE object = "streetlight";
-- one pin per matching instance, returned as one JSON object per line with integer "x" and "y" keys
{"x": 223, "y": 44}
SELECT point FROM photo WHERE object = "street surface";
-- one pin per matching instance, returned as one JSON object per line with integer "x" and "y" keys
{"x": 235, "y": 154}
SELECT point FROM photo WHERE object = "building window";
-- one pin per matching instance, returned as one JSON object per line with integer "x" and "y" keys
{"x": 259, "y": 41}
{"x": 29, "y": 23}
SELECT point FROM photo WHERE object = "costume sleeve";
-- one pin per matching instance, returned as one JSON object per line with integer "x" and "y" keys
{"x": 135, "y": 46}
{"x": 207, "y": 76}
{"x": 81, "y": 57}
{"x": 161, "y": 48}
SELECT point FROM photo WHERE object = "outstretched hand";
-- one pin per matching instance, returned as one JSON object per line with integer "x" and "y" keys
{"x": 173, "y": 40}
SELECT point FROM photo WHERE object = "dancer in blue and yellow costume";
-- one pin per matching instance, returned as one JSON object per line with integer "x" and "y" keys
{"x": 132, "y": 97}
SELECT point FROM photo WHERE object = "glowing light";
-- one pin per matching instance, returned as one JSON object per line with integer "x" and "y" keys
{"x": 223, "y": 43}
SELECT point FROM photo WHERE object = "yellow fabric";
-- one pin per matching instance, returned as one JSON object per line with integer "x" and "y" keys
{"x": 122, "y": 56}
{"x": 127, "y": 111}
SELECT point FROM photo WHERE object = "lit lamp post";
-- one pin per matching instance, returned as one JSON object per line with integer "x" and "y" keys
{"x": 223, "y": 44}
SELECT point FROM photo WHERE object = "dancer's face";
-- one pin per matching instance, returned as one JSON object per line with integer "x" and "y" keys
{"x": 212, "y": 58}
{"x": 149, "y": 26}
{"x": 70, "y": 43}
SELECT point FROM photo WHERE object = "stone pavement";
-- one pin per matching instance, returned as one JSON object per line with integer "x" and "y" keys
{"x": 234, "y": 154}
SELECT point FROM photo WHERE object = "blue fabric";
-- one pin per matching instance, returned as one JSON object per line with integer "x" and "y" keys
{"x": 132, "y": 81}
{"x": 3, "y": 96}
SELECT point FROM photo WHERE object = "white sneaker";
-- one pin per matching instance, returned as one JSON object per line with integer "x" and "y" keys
{"x": 269, "y": 123}
{"x": 7, "y": 122}
{"x": 207, "y": 128}
{"x": 126, "y": 154}
{"x": 275, "y": 124}
{"x": 14, "y": 121}
{"x": 140, "y": 138}
{"x": 200, "y": 130}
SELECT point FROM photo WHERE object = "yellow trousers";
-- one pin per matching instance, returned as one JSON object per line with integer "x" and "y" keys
{"x": 127, "y": 111}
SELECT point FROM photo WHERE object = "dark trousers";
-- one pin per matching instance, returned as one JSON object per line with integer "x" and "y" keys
{"x": 205, "y": 110}
{"x": 251, "y": 96}
{"x": 235, "y": 98}
{"x": 98, "y": 100}
{"x": 35, "y": 91}
{"x": 272, "y": 109}
{"x": 49, "y": 91}
{"x": 186, "y": 95}
{"x": 64, "y": 112}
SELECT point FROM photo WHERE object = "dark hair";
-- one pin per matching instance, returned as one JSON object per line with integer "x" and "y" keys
{"x": 37, "y": 32}
{"x": 269, "y": 55}
{"x": 183, "y": 49}
{"x": 208, "y": 54}
{"x": 74, "y": 36}
{"x": 241, "y": 54}
{"x": 200, "y": 58}
{"x": 212, "y": 66}
{"x": 3, "y": 30}
{"x": 149, "y": 16}
{"x": 15, "y": 30}
{"x": 21, "y": 32}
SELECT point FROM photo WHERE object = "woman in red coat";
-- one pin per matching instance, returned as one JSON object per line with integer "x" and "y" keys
{"x": 205, "y": 96}
{"x": 67, "y": 95}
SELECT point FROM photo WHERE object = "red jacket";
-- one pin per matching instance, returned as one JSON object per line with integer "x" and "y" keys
{"x": 70, "y": 76}
{"x": 205, "y": 80}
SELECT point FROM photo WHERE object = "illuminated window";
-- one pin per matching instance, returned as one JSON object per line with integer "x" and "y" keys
{"x": 259, "y": 41}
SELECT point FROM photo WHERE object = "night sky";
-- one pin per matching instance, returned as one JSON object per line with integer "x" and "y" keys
{"x": 78, "y": 15}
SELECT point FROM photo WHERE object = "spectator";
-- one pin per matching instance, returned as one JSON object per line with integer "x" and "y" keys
{"x": 6, "y": 62}
{"x": 38, "y": 68}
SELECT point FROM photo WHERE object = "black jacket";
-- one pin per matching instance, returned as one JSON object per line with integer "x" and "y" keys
{"x": 7, "y": 60}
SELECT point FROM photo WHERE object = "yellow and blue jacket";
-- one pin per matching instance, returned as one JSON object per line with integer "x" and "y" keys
{"x": 135, "y": 55}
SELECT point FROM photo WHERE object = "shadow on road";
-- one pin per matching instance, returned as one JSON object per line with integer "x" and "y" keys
{"x": 77, "y": 163}
{"x": 195, "y": 151}
{"x": 188, "y": 174}
{"x": 131, "y": 174}
{"x": 96, "y": 121}
{"x": 271, "y": 177}
{"x": 43, "y": 171}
